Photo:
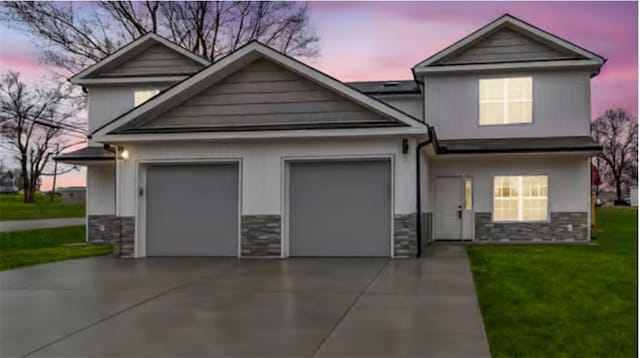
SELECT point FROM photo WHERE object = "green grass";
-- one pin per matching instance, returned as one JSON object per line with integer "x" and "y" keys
{"x": 13, "y": 208}
{"x": 30, "y": 247}
{"x": 563, "y": 301}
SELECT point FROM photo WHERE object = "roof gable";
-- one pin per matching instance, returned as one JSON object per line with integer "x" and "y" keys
{"x": 509, "y": 39}
{"x": 204, "y": 101}
{"x": 261, "y": 95}
{"x": 148, "y": 56}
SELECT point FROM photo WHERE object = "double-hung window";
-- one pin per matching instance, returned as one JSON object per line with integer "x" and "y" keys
{"x": 506, "y": 100}
{"x": 520, "y": 198}
{"x": 139, "y": 97}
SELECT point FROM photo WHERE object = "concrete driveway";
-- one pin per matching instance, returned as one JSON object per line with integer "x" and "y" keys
{"x": 228, "y": 307}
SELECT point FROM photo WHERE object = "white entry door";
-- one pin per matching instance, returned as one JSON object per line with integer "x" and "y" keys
{"x": 449, "y": 208}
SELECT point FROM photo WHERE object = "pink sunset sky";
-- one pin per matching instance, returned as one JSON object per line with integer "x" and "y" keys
{"x": 362, "y": 41}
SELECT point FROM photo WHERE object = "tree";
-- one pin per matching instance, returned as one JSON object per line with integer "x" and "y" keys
{"x": 33, "y": 125}
{"x": 77, "y": 35}
{"x": 617, "y": 132}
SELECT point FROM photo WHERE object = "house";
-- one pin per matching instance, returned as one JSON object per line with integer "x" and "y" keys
{"x": 633, "y": 196}
{"x": 73, "y": 195}
{"x": 489, "y": 143}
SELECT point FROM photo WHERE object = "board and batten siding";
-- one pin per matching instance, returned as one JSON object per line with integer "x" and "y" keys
{"x": 158, "y": 60}
{"x": 263, "y": 93}
{"x": 561, "y": 106}
{"x": 504, "y": 46}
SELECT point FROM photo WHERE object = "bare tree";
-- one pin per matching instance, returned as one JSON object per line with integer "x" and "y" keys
{"x": 76, "y": 35}
{"x": 617, "y": 132}
{"x": 34, "y": 124}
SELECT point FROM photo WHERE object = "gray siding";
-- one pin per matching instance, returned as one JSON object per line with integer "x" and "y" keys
{"x": 106, "y": 102}
{"x": 156, "y": 60}
{"x": 561, "y": 106}
{"x": 503, "y": 46}
{"x": 264, "y": 93}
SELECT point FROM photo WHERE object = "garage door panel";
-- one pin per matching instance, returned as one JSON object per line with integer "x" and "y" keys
{"x": 340, "y": 208}
{"x": 192, "y": 210}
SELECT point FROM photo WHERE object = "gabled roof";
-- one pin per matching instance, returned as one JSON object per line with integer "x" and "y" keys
{"x": 136, "y": 48}
{"x": 231, "y": 63}
{"x": 571, "y": 54}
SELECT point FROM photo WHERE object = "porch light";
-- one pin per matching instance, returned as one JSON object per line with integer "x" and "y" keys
{"x": 124, "y": 154}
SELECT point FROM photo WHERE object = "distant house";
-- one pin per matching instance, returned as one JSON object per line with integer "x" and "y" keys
{"x": 8, "y": 188}
{"x": 73, "y": 195}
{"x": 633, "y": 193}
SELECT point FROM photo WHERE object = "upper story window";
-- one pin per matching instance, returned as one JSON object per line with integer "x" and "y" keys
{"x": 506, "y": 100}
{"x": 139, "y": 97}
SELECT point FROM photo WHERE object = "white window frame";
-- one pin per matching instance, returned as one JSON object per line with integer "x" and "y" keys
{"x": 520, "y": 199}
{"x": 504, "y": 101}
{"x": 147, "y": 90}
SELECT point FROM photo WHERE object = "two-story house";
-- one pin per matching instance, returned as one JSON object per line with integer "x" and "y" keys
{"x": 260, "y": 155}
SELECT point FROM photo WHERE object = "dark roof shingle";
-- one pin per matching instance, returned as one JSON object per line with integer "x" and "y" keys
{"x": 386, "y": 87}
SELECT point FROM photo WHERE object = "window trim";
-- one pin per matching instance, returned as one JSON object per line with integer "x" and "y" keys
{"x": 548, "y": 220}
{"x": 494, "y": 77}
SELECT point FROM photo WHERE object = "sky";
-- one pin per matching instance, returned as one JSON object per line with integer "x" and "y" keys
{"x": 362, "y": 41}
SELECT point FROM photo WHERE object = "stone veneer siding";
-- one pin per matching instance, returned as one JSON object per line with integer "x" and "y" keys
{"x": 101, "y": 228}
{"x": 261, "y": 236}
{"x": 124, "y": 237}
{"x": 404, "y": 235}
{"x": 555, "y": 230}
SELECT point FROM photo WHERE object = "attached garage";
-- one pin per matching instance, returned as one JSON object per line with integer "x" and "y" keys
{"x": 340, "y": 208}
{"x": 192, "y": 209}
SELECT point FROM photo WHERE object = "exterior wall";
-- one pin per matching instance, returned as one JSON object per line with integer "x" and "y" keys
{"x": 102, "y": 224}
{"x": 263, "y": 93}
{"x": 561, "y": 106}
{"x": 404, "y": 235}
{"x": 156, "y": 60}
{"x": 262, "y": 166}
{"x": 410, "y": 104}
{"x": 562, "y": 227}
{"x": 100, "y": 189}
{"x": 106, "y": 102}
{"x": 569, "y": 191}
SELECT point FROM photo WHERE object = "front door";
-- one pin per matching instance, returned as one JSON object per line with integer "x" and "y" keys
{"x": 449, "y": 208}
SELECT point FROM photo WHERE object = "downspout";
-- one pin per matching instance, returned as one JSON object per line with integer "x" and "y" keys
{"x": 419, "y": 193}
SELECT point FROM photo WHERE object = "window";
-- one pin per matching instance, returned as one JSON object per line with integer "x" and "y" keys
{"x": 468, "y": 196}
{"x": 139, "y": 97}
{"x": 506, "y": 100}
{"x": 520, "y": 198}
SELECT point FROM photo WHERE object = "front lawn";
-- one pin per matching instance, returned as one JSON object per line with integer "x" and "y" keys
{"x": 24, "y": 248}
{"x": 13, "y": 208}
{"x": 563, "y": 301}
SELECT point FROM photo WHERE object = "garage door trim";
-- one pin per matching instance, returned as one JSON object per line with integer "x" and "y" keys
{"x": 285, "y": 187}
{"x": 140, "y": 244}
